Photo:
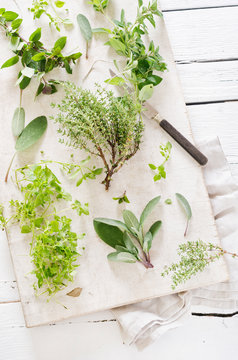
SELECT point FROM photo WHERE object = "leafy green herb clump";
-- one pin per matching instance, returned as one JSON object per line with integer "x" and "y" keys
{"x": 100, "y": 123}
{"x": 128, "y": 238}
{"x": 126, "y": 38}
{"x": 165, "y": 151}
{"x": 49, "y": 8}
{"x": 35, "y": 58}
{"x": 99, "y": 5}
{"x": 195, "y": 256}
{"x": 53, "y": 245}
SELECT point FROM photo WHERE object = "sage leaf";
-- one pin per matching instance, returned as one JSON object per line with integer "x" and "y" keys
{"x": 113, "y": 222}
{"x": 146, "y": 92}
{"x": 32, "y": 132}
{"x": 60, "y": 43}
{"x": 18, "y": 121}
{"x": 155, "y": 228}
{"x": 147, "y": 241}
{"x": 186, "y": 207}
{"x": 129, "y": 243}
{"x": 36, "y": 35}
{"x": 85, "y": 27}
{"x": 111, "y": 235}
{"x": 122, "y": 257}
{"x": 148, "y": 209}
{"x": 10, "y": 62}
{"x": 130, "y": 220}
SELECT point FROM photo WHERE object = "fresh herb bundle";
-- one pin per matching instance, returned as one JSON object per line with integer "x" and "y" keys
{"x": 128, "y": 238}
{"x": 126, "y": 38}
{"x": 100, "y": 123}
{"x": 165, "y": 151}
{"x": 35, "y": 58}
{"x": 49, "y": 8}
{"x": 195, "y": 256}
{"x": 53, "y": 245}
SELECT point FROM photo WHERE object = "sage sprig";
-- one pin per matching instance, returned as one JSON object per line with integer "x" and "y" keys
{"x": 128, "y": 237}
{"x": 85, "y": 29}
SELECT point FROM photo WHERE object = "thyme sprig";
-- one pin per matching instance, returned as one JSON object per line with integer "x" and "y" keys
{"x": 100, "y": 123}
{"x": 195, "y": 256}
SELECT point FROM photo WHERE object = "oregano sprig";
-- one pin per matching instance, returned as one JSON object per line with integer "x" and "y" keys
{"x": 160, "y": 172}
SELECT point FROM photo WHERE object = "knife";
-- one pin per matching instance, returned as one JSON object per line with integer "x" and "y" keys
{"x": 152, "y": 113}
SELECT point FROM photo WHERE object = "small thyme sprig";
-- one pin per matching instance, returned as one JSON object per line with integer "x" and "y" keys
{"x": 195, "y": 256}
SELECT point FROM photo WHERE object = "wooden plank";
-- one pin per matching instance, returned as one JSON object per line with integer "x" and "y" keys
{"x": 209, "y": 82}
{"x": 106, "y": 285}
{"x": 195, "y": 4}
{"x": 205, "y": 337}
{"x": 203, "y": 35}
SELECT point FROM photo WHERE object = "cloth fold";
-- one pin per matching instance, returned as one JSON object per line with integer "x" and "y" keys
{"x": 143, "y": 323}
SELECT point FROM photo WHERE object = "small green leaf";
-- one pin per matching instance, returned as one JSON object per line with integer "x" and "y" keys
{"x": 25, "y": 229}
{"x": 15, "y": 41}
{"x": 60, "y": 43}
{"x": 38, "y": 57}
{"x": 10, "y": 62}
{"x": 122, "y": 257}
{"x": 39, "y": 89}
{"x": 115, "y": 81}
{"x": 117, "y": 45}
{"x": 85, "y": 27}
{"x": 148, "y": 209}
{"x": 16, "y": 24}
{"x": 67, "y": 67}
{"x": 59, "y": 4}
{"x": 130, "y": 220}
{"x": 152, "y": 166}
{"x": 36, "y": 35}
{"x": 18, "y": 121}
{"x": 129, "y": 243}
{"x": 9, "y": 15}
{"x": 147, "y": 242}
{"x": 32, "y": 132}
{"x": 101, "y": 30}
{"x": 168, "y": 201}
{"x": 24, "y": 82}
{"x": 2, "y": 10}
{"x": 146, "y": 92}
{"x": 111, "y": 235}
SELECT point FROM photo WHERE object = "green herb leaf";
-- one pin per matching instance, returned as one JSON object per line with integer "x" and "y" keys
{"x": 18, "y": 121}
{"x": 60, "y": 43}
{"x": 111, "y": 235}
{"x": 148, "y": 209}
{"x": 117, "y": 80}
{"x": 186, "y": 207}
{"x": 146, "y": 92}
{"x": 168, "y": 201}
{"x": 28, "y": 72}
{"x": 10, "y": 62}
{"x": 9, "y": 15}
{"x": 59, "y": 4}
{"x": 85, "y": 27}
{"x": 38, "y": 57}
{"x": 155, "y": 228}
{"x": 117, "y": 45}
{"x": 16, "y": 24}
{"x": 147, "y": 241}
{"x": 101, "y": 30}
{"x": 122, "y": 257}
{"x": 130, "y": 220}
{"x": 36, "y": 35}
{"x": 32, "y": 132}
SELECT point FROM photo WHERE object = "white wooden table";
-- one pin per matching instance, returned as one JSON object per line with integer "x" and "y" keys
{"x": 203, "y": 34}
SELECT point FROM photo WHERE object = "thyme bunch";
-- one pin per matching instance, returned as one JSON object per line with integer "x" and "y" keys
{"x": 195, "y": 256}
{"x": 101, "y": 124}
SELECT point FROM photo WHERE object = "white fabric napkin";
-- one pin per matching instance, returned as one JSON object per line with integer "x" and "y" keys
{"x": 144, "y": 322}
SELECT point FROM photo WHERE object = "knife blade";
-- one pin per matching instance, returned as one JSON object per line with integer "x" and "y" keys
{"x": 152, "y": 113}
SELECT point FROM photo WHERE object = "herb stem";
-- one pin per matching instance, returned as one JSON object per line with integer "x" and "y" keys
{"x": 9, "y": 167}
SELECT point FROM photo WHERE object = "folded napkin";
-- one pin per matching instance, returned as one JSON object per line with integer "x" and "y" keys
{"x": 144, "y": 322}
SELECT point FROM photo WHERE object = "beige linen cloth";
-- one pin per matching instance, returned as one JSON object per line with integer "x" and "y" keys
{"x": 144, "y": 322}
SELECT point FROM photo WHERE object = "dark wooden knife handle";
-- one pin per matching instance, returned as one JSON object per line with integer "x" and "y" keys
{"x": 181, "y": 140}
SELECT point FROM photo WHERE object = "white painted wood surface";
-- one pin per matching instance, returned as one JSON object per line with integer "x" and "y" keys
{"x": 91, "y": 337}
